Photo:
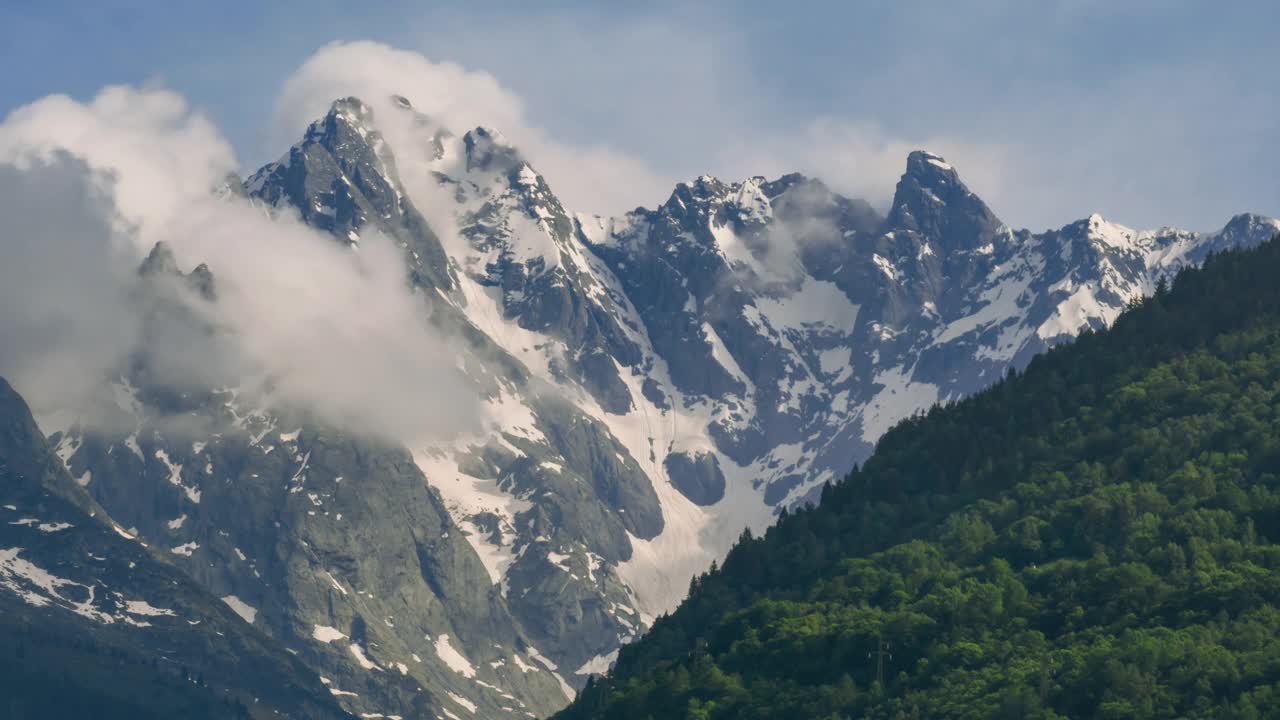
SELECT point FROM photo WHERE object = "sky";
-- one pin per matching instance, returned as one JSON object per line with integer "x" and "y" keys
{"x": 1151, "y": 113}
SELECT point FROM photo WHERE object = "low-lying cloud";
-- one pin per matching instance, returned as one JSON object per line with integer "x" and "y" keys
{"x": 300, "y": 320}
{"x": 65, "y": 266}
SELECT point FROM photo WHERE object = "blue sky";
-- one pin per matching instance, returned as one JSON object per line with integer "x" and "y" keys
{"x": 1149, "y": 112}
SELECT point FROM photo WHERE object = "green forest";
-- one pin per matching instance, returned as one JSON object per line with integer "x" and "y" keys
{"x": 1095, "y": 537}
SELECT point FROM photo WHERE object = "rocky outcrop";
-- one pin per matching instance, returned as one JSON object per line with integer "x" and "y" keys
{"x": 697, "y": 476}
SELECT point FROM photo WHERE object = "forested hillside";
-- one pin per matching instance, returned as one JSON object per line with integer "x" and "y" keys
{"x": 1096, "y": 537}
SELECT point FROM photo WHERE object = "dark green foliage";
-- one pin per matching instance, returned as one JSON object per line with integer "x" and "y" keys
{"x": 50, "y": 675}
{"x": 1098, "y": 536}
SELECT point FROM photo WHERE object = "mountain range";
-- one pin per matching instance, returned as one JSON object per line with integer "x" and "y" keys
{"x": 650, "y": 385}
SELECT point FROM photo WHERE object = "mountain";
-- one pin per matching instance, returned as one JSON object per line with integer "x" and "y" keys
{"x": 1094, "y": 537}
{"x": 94, "y": 623}
{"x": 649, "y": 385}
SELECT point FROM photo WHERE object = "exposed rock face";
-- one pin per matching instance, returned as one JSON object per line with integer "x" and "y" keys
{"x": 342, "y": 178}
{"x": 696, "y": 476}
{"x": 652, "y": 384}
{"x": 83, "y": 584}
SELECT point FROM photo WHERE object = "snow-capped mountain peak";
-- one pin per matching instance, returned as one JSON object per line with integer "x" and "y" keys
{"x": 488, "y": 150}
{"x": 931, "y": 200}
{"x": 1113, "y": 235}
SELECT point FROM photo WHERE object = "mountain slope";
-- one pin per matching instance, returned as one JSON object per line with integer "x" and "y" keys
{"x": 1092, "y": 538}
{"x": 92, "y": 623}
{"x": 331, "y": 542}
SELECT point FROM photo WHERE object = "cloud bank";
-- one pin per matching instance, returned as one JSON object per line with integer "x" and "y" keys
{"x": 65, "y": 318}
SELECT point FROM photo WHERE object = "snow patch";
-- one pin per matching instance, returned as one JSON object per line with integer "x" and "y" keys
{"x": 185, "y": 549}
{"x": 898, "y": 398}
{"x": 598, "y": 665}
{"x": 470, "y": 706}
{"x": 325, "y": 634}
{"x": 142, "y": 607}
{"x": 246, "y": 611}
{"x": 456, "y": 661}
{"x": 358, "y": 653}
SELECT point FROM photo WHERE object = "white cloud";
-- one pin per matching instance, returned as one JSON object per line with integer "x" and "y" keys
{"x": 64, "y": 311}
{"x": 457, "y": 98}
{"x": 160, "y": 154}
{"x": 310, "y": 322}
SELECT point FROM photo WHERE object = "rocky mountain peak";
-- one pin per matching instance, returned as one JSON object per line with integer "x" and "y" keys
{"x": 703, "y": 189}
{"x": 489, "y": 151}
{"x": 160, "y": 261}
{"x": 1099, "y": 230}
{"x": 342, "y": 177}
{"x": 202, "y": 281}
{"x": 708, "y": 197}
{"x": 21, "y": 444}
{"x": 1248, "y": 225}
{"x": 348, "y": 125}
{"x": 774, "y": 188}
{"x": 352, "y": 110}
{"x": 932, "y": 200}
{"x": 930, "y": 168}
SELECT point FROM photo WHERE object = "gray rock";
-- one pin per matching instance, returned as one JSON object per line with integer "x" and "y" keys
{"x": 697, "y": 476}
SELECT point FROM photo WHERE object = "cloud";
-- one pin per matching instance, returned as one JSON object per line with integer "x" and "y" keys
{"x": 458, "y": 98}
{"x": 64, "y": 267}
{"x": 160, "y": 154}
{"x": 302, "y": 320}
{"x": 333, "y": 331}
